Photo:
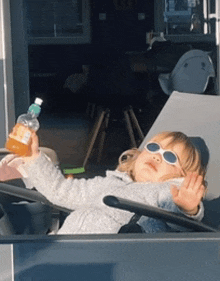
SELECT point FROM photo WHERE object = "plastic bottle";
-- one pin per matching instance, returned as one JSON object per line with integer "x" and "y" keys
{"x": 19, "y": 140}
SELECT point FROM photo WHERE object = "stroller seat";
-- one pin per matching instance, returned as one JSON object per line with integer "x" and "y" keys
{"x": 198, "y": 117}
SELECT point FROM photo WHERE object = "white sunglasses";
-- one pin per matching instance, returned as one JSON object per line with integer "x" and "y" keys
{"x": 169, "y": 156}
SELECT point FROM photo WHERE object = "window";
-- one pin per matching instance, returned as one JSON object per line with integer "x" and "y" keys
{"x": 186, "y": 17}
{"x": 57, "y": 21}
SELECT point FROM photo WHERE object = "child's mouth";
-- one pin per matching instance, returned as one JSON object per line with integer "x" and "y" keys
{"x": 152, "y": 166}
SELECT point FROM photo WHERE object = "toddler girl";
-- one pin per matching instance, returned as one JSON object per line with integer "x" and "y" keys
{"x": 167, "y": 173}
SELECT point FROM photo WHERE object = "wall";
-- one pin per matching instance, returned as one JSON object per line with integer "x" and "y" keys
{"x": 159, "y": 25}
{"x": 6, "y": 80}
{"x": 121, "y": 30}
{"x": 20, "y": 57}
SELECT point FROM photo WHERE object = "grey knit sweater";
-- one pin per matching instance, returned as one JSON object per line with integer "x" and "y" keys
{"x": 85, "y": 197}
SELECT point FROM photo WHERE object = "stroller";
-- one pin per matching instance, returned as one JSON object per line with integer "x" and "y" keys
{"x": 187, "y": 256}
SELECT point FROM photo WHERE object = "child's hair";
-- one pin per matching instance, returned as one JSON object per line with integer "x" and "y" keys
{"x": 191, "y": 163}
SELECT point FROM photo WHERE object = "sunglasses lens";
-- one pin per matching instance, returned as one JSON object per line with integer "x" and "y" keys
{"x": 153, "y": 147}
{"x": 170, "y": 157}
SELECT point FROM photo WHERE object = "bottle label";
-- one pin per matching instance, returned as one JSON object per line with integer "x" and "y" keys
{"x": 21, "y": 133}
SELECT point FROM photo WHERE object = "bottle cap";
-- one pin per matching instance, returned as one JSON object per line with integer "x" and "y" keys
{"x": 38, "y": 101}
{"x": 35, "y": 109}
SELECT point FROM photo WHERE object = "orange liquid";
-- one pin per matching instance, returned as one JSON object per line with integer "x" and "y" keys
{"x": 16, "y": 138}
{"x": 18, "y": 147}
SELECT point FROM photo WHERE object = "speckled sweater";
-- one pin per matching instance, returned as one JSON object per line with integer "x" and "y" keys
{"x": 85, "y": 197}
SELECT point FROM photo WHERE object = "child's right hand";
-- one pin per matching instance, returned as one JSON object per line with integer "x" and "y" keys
{"x": 34, "y": 148}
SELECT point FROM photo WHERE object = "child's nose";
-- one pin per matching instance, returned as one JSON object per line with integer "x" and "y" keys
{"x": 157, "y": 157}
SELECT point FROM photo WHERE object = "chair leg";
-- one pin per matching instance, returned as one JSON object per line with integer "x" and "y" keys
{"x": 94, "y": 137}
{"x": 102, "y": 125}
{"x": 103, "y": 135}
{"x": 129, "y": 127}
{"x": 135, "y": 121}
{"x": 90, "y": 110}
{"x": 93, "y": 111}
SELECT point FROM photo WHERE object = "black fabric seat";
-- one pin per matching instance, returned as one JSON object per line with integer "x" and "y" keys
{"x": 29, "y": 218}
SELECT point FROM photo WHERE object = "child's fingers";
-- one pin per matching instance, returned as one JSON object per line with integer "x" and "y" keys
{"x": 193, "y": 180}
{"x": 174, "y": 191}
{"x": 201, "y": 192}
{"x": 186, "y": 181}
{"x": 196, "y": 183}
{"x": 35, "y": 144}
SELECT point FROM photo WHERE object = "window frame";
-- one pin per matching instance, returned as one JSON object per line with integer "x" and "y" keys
{"x": 78, "y": 38}
{"x": 134, "y": 256}
{"x": 206, "y": 36}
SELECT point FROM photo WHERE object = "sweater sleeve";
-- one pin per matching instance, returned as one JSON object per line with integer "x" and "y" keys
{"x": 69, "y": 193}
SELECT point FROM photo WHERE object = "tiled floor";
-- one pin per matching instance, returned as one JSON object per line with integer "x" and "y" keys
{"x": 69, "y": 133}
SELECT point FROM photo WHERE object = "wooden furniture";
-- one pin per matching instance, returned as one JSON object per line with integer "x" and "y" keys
{"x": 101, "y": 126}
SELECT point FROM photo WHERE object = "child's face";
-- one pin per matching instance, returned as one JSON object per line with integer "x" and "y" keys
{"x": 152, "y": 167}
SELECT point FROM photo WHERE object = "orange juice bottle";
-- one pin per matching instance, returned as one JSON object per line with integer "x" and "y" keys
{"x": 19, "y": 140}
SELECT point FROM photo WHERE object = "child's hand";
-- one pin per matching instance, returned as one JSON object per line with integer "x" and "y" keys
{"x": 190, "y": 193}
{"x": 34, "y": 148}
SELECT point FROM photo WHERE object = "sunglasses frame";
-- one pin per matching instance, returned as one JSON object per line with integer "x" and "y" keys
{"x": 161, "y": 151}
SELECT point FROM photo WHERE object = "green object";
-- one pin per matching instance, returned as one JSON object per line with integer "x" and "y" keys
{"x": 74, "y": 170}
{"x": 34, "y": 108}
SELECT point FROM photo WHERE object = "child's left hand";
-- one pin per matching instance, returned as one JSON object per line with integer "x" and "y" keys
{"x": 190, "y": 193}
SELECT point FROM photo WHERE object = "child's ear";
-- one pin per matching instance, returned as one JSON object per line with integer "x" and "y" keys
{"x": 128, "y": 155}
